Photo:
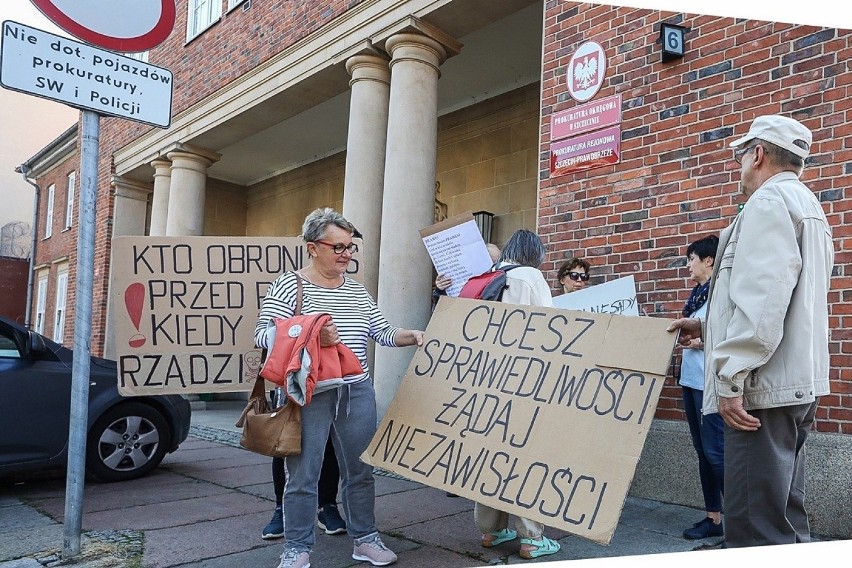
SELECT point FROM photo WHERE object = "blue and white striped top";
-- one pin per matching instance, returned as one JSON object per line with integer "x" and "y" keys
{"x": 352, "y": 309}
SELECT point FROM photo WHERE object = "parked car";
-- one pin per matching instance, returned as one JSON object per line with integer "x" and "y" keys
{"x": 126, "y": 438}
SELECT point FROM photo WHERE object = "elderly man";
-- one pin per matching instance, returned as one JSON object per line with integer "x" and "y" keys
{"x": 766, "y": 335}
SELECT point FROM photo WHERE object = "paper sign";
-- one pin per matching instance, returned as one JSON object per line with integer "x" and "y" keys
{"x": 457, "y": 250}
{"x": 614, "y": 297}
{"x": 185, "y": 309}
{"x": 533, "y": 411}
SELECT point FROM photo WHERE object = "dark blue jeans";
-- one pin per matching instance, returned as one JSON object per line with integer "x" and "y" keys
{"x": 708, "y": 439}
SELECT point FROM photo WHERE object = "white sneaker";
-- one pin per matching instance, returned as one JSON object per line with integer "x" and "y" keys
{"x": 294, "y": 559}
{"x": 375, "y": 552}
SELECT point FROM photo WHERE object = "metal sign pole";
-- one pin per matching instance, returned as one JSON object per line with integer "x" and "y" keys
{"x": 74, "y": 482}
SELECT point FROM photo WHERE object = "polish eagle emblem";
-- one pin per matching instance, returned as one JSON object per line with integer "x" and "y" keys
{"x": 586, "y": 72}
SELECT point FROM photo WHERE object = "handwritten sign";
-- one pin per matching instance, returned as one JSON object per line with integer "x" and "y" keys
{"x": 457, "y": 250}
{"x": 185, "y": 309}
{"x": 613, "y": 297}
{"x": 539, "y": 412}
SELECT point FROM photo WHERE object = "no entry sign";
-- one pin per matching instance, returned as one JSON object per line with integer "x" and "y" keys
{"x": 119, "y": 25}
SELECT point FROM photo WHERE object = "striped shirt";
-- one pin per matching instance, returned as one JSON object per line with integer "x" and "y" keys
{"x": 352, "y": 309}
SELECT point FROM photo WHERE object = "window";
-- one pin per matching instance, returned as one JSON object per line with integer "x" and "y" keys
{"x": 69, "y": 203}
{"x": 59, "y": 315}
{"x": 234, "y": 3}
{"x": 48, "y": 218}
{"x": 202, "y": 15}
{"x": 41, "y": 303}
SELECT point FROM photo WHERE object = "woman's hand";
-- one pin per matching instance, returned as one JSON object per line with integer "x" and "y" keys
{"x": 328, "y": 335}
{"x": 406, "y": 337}
{"x": 442, "y": 282}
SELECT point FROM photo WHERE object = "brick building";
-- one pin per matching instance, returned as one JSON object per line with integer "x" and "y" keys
{"x": 396, "y": 112}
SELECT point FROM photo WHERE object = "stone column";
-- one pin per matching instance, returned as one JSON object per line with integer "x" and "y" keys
{"x": 128, "y": 219}
{"x": 408, "y": 199}
{"x": 160, "y": 202}
{"x": 365, "y": 155}
{"x": 187, "y": 192}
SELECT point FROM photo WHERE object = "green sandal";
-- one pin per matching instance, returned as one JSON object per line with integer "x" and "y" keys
{"x": 543, "y": 547}
{"x": 499, "y": 537}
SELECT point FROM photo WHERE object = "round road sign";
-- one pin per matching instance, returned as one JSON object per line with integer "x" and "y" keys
{"x": 119, "y": 25}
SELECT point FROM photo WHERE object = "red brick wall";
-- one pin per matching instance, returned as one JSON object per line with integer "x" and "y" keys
{"x": 13, "y": 287}
{"x": 61, "y": 244}
{"x": 677, "y": 180}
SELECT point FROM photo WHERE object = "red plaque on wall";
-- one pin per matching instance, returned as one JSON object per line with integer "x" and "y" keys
{"x": 593, "y": 150}
{"x": 583, "y": 118}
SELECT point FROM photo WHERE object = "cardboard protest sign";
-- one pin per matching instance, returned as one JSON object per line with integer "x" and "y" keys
{"x": 457, "y": 250}
{"x": 613, "y": 297}
{"x": 539, "y": 412}
{"x": 185, "y": 309}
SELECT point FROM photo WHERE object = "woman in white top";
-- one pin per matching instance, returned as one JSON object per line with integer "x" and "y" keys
{"x": 525, "y": 285}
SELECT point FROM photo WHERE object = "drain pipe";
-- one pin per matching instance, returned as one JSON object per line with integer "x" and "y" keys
{"x": 25, "y": 169}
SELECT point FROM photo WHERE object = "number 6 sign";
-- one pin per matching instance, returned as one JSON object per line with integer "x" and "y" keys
{"x": 119, "y": 25}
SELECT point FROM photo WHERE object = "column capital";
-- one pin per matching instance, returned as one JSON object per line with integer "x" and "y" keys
{"x": 130, "y": 189}
{"x": 368, "y": 67}
{"x": 415, "y": 26}
{"x": 415, "y": 47}
{"x": 182, "y": 159}
{"x": 188, "y": 151}
{"x": 161, "y": 165}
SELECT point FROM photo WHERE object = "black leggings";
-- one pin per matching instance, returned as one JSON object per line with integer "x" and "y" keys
{"x": 328, "y": 481}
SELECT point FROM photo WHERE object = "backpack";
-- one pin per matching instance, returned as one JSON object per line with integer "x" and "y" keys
{"x": 487, "y": 286}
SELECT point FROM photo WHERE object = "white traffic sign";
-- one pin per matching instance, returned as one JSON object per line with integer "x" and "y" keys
{"x": 120, "y": 25}
{"x": 57, "y": 68}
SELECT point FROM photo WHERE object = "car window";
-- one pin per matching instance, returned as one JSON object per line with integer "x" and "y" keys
{"x": 8, "y": 348}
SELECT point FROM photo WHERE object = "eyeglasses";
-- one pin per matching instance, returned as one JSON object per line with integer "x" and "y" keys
{"x": 577, "y": 276}
{"x": 351, "y": 248}
{"x": 738, "y": 154}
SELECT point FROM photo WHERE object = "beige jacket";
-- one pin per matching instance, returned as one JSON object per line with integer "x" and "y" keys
{"x": 766, "y": 332}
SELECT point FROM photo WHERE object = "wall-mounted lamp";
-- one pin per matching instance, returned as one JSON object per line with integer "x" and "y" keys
{"x": 671, "y": 36}
{"x": 484, "y": 220}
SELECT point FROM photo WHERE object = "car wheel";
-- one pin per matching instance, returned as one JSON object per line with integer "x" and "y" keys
{"x": 127, "y": 442}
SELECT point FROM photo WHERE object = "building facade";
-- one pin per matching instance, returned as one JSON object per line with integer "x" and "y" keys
{"x": 403, "y": 112}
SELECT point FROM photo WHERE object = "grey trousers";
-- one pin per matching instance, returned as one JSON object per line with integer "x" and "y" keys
{"x": 765, "y": 478}
{"x": 349, "y": 413}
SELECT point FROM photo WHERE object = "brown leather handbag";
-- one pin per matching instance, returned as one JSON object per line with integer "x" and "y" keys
{"x": 275, "y": 433}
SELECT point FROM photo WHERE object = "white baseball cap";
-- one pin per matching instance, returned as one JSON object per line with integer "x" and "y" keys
{"x": 782, "y": 131}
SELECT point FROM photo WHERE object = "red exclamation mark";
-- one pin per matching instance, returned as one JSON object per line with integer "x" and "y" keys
{"x": 134, "y": 299}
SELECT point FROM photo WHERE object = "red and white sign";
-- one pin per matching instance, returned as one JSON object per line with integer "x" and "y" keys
{"x": 586, "y": 71}
{"x": 593, "y": 150}
{"x": 119, "y": 25}
{"x": 583, "y": 118}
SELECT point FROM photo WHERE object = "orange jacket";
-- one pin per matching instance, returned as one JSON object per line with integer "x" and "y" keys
{"x": 297, "y": 362}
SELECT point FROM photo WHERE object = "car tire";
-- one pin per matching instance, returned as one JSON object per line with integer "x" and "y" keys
{"x": 126, "y": 442}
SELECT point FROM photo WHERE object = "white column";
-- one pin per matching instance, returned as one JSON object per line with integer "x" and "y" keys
{"x": 187, "y": 192}
{"x": 160, "y": 202}
{"x": 128, "y": 219}
{"x": 365, "y": 155}
{"x": 408, "y": 199}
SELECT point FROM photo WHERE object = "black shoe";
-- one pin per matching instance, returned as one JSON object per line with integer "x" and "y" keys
{"x": 275, "y": 528}
{"x": 329, "y": 520}
{"x": 705, "y": 528}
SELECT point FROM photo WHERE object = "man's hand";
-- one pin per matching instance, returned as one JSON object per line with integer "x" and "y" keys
{"x": 328, "y": 335}
{"x": 735, "y": 416}
{"x": 690, "y": 328}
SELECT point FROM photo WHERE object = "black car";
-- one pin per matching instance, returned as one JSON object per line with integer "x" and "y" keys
{"x": 126, "y": 436}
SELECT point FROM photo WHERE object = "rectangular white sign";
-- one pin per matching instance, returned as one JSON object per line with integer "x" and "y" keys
{"x": 613, "y": 297}
{"x": 457, "y": 250}
{"x": 57, "y": 68}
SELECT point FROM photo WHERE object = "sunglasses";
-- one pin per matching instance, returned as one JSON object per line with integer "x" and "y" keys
{"x": 577, "y": 276}
{"x": 739, "y": 154}
{"x": 351, "y": 248}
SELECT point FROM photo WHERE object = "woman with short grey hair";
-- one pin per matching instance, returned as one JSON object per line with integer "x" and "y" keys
{"x": 347, "y": 413}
